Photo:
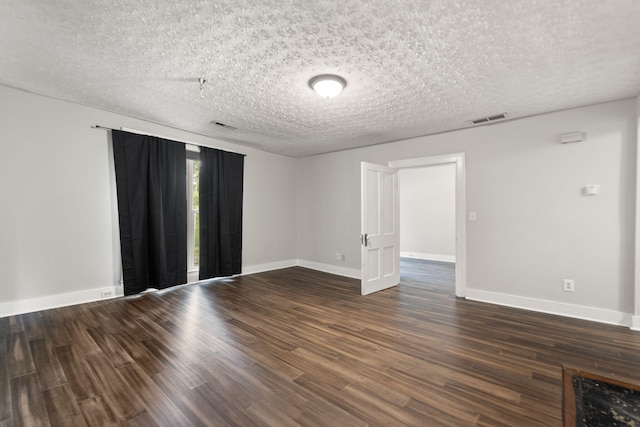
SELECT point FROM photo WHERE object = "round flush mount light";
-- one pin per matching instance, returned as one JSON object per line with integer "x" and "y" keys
{"x": 327, "y": 85}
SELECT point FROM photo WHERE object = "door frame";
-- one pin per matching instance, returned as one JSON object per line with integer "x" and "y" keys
{"x": 461, "y": 225}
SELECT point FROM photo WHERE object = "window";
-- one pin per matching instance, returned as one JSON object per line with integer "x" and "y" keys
{"x": 193, "y": 214}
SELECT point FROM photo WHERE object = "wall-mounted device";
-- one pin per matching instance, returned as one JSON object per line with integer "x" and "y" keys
{"x": 590, "y": 190}
{"x": 567, "y": 138}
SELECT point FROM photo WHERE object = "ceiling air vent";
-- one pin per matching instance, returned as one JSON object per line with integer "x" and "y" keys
{"x": 489, "y": 119}
{"x": 222, "y": 125}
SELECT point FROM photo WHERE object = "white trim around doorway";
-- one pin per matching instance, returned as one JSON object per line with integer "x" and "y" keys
{"x": 461, "y": 225}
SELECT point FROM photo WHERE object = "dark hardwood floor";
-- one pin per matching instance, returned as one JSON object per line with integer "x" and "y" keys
{"x": 419, "y": 271}
{"x": 298, "y": 347}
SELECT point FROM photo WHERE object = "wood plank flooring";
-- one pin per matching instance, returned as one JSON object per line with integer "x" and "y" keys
{"x": 297, "y": 347}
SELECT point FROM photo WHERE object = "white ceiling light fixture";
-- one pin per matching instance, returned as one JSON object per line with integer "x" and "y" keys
{"x": 327, "y": 85}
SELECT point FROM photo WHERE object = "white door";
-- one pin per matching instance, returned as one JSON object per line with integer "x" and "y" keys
{"x": 380, "y": 239}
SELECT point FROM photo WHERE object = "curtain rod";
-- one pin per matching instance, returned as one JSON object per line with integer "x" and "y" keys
{"x": 164, "y": 137}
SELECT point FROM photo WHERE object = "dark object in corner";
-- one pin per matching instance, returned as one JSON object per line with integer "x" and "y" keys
{"x": 593, "y": 400}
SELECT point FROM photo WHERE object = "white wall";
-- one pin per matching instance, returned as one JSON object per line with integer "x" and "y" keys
{"x": 58, "y": 240}
{"x": 427, "y": 212}
{"x": 534, "y": 227}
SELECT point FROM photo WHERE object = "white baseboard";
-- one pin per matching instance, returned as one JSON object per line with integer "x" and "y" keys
{"x": 259, "y": 268}
{"x": 553, "y": 307}
{"x": 58, "y": 300}
{"x": 635, "y": 323}
{"x": 428, "y": 256}
{"x": 329, "y": 268}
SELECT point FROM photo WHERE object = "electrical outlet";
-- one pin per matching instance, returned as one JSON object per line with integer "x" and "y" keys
{"x": 568, "y": 285}
{"x": 344, "y": 258}
{"x": 107, "y": 293}
{"x": 337, "y": 256}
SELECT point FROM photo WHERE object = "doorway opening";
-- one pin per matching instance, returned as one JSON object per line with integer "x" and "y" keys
{"x": 428, "y": 225}
{"x": 458, "y": 162}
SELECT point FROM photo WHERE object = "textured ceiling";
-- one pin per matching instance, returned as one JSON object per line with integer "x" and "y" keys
{"x": 413, "y": 67}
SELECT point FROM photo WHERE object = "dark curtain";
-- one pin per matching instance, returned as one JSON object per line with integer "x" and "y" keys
{"x": 221, "y": 186}
{"x": 151, "y": 185}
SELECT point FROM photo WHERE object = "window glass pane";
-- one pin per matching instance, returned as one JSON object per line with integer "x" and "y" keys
{"x": 196, "y": 246}
{"x": 193, "y": 218}
{"x": 196, "y": 186}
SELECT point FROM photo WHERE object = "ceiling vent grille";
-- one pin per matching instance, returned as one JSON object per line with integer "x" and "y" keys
{"x": 489, "y": 119}
{"x": 222, "y": 125}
